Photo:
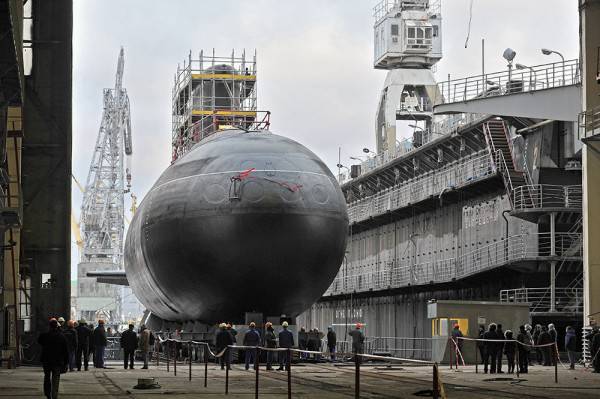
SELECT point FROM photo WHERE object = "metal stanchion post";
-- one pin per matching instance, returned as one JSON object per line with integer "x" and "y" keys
{"x": 516, "y": 359}
{"x": 156, "y": 351}
{"x": 451, "y": 355}
{"x": 167, "y": 347}
{"x": 257, "y": 368}
{"x": 436, "y": 387}
{"x": 205, "y": 349}
{"x": 289, "y": 373}
{"x": 356, "y": 376}
{"x": 555, "y": 363}
{"x": 227, "y": 365}
{"x": 476, "y": 357}
{"x": 190, "y": 359}
{"x": 175, "y": 359}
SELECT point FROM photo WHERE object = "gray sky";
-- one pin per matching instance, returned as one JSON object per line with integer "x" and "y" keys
{"x": 315, "y": 69}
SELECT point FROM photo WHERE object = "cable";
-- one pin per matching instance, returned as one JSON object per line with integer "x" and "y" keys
{"x": 469, "y": 25}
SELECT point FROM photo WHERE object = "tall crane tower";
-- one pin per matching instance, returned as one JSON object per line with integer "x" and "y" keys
{"x": 102, "y": 210}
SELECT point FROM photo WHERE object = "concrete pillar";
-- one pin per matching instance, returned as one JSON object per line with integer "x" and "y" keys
{"x": 590, "y": 42}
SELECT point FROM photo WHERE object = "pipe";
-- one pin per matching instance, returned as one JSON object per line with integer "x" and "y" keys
{"x": 505, "y": 233}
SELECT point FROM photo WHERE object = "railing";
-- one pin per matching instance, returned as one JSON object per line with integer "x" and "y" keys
{"x": 453, "y": 176}
{"x": 589, "y": 123}
{"x": 567, "y": 299}
{"x": 439, "y": 129}
{"x": 540, "y": 196}
{"x": 388, "y": 275}
{"x": 556, "y": 74}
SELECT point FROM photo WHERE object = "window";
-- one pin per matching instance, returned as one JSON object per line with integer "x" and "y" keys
{"x": 411, "y": 33}
{"x": 394, "y": 30}
{"x": 435, "y": 31}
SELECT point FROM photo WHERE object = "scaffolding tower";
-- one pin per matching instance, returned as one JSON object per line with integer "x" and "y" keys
{"x": 212, "y": 93}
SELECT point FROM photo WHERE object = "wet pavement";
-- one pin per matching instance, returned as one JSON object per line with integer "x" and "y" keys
{"x": 323, "y": 380}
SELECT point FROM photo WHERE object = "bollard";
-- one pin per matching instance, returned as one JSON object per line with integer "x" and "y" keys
{"x": 436, "y": 387}
{"x": 356, "y": 376}
{"x": 227, "y": 365}
{"x": 175, "y": 359}
{"x": 205, "y": 349}
{"x": 190, "y": 359}
{"x": 257, "y": 368}
{"x": 289, "y": 373}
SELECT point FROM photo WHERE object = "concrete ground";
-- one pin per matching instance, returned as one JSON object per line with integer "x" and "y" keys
{"x": 308, "y": 381}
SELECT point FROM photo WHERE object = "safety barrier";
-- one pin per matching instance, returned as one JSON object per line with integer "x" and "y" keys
{"x": 358, "y": 359}
{"x": 455, "y": 349}
{"x": 538, "y": 196}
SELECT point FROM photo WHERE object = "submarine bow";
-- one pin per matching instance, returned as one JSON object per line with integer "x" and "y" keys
{"x": 243, "y": 222}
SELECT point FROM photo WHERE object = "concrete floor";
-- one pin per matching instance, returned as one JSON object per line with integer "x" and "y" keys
{"x": 308, "y": 381}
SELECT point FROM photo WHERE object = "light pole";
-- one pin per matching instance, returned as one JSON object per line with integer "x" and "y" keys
{"x": 531, "y": 74}
{"x": 509, "y": 55}
{"x": 367, "y": 151}
{"x": 340, "y": 166}
{"x": 546, "y": 51}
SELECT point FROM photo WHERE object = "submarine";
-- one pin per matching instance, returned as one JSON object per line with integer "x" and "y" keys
{"x": 245, "y": 221}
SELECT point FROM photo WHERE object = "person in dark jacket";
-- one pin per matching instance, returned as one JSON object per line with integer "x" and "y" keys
{"x": 270, "y": 342}
{"x": 100, "y": 343}
{"x": 71, "y": 335}
{"x": 595, "y": 351}
{"x": 331, "y": 342}
{"x": 509, "y": 350}
{"x": 358, "y": 339}
{"x": 302, "y": 341}
{"x": 222, "y": 341}
{"x": 55, "y": 358}
{"x": 571, "y": 345}
{"x": 252, "y": 338}
{"x": 535, "y": 338}
{"x": 92, "y": 352}
{"x": 523, "y": 348}
{"x": 233, "y": 333}
{"x": 491, "y": 351}
{"x": 286, "y": 340}
{"x": 83, "y": 345}
{"x": 481, "y": 344}
{"x": 129, "y": 343}
{"x": 543, "y": 339}
{"x": 499, "y": 349}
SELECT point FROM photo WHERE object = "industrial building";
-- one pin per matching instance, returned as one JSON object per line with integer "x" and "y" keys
{"x": 482, "y": 203}
{"x": 35, "y": 174}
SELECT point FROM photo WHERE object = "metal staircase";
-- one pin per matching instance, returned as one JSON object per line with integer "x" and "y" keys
{"x": 496, "y": 136}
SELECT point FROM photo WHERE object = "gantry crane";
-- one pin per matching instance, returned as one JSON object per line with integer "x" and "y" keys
{"x": 102, "y": 210}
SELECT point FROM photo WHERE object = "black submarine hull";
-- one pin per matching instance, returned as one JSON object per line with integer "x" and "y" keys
{"x": 243, "y": 222}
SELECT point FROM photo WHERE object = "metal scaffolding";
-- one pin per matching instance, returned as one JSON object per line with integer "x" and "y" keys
{"x": 212, "y": 93}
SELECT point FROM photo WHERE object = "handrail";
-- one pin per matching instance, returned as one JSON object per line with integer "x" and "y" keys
{"x": 539, "y": 196}
{"x": 538, "y": 77}
{"x": 401, "y": 274}
{"x": 567, "y": 299}
{"x": 589, "y": 123}
{"x": 453, "y": 176}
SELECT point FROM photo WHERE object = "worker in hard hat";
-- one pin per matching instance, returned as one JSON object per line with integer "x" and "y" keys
{"x": 286, "y": 340}
{"x": 222, "y": 341}
{"x": 271, "y": 343}
{"x": 83, "y": 344}
{"x": 358, "y": 339}
{"x": 71, "y": 335}
{"x": 233, "y": 332}
{"x": 252, "y": 338}
{"x": 100, "y": 342}
{"x": 54, "y": 357}
{"x": 61, "y": 323}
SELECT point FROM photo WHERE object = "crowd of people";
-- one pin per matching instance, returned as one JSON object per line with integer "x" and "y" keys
{"x": 68, "y": 346}
{"x": 529, "y": 345}
{"x": 308, "y": 341}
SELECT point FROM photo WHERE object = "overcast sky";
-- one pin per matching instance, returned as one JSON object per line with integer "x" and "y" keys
{"x": 315, "y": 69}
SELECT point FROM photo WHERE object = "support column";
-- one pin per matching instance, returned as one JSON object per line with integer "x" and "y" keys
{"x": 590, "y": 42}
{"x": 553, "y": 263}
